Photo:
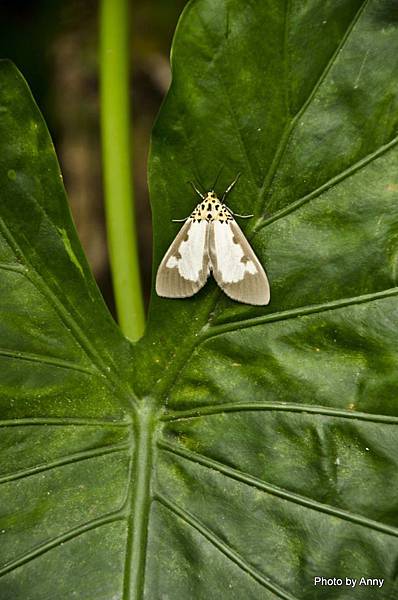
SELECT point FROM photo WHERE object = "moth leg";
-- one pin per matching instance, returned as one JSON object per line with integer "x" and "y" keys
{"x": 179, "y": 220}
{"x": 229, "y": 188}
{"x": 196, "y": 190}
{"x": 242, "y": 216}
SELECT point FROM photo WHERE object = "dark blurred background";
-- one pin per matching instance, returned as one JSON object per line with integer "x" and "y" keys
{"x": 54, "y": 43}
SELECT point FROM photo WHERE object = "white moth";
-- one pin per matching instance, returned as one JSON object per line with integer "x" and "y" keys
{"x": 211, "y": 241}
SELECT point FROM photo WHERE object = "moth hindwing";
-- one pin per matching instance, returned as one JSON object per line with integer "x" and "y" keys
{"x": 211, "y": 240}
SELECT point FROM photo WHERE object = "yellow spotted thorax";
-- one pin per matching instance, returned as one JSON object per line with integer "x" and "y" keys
{"x": 211, "y": 209}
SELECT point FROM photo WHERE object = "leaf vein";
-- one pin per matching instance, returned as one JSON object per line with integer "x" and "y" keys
{"x": 290, "y": 128}
{"x": 40, "y": 549}
{"x": 294, "y": 313}
{"x": 45, "y": 359}
{"x": 13, "y": 268}
{"x": 64, "y": 461}
{"x": 284, "y": 494}
{"x": 62, "y": 422}
{"x": 363, "y": 162}
{"x": 204, "y": 411}
{"x": 224, "y": 548}
{"x": 65, "y": 316}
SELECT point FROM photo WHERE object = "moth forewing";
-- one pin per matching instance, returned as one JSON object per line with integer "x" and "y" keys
{"x": 235, "y": 267}
{"x": 185, "y": 266}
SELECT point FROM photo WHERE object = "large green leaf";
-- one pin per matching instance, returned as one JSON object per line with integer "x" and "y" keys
{"x": 235, "y": 452}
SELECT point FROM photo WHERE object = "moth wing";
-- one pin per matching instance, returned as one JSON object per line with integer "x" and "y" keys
{"x": 236, "y": 268}
{"x": 185, "y": 266}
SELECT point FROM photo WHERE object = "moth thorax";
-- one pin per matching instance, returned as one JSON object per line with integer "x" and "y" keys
{"x": 211, "y": 209}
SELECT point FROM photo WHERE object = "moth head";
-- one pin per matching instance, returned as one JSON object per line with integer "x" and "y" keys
{"x": 211, "y": 194}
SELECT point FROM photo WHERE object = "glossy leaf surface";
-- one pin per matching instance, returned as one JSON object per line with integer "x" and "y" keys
{"x": 235, "y": 451}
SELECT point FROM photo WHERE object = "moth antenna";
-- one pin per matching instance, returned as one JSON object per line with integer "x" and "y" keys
{"x": 242, "y": 216}
{"x": 229, "y": 188}
{"x": 191, "y": 183}
{"x": 201, "y": 185}
{"x": 179, "y": 220}
{"x": 217, "y": 178}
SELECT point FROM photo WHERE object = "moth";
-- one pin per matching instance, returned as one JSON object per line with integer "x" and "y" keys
{"x": 210, "y": 241}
